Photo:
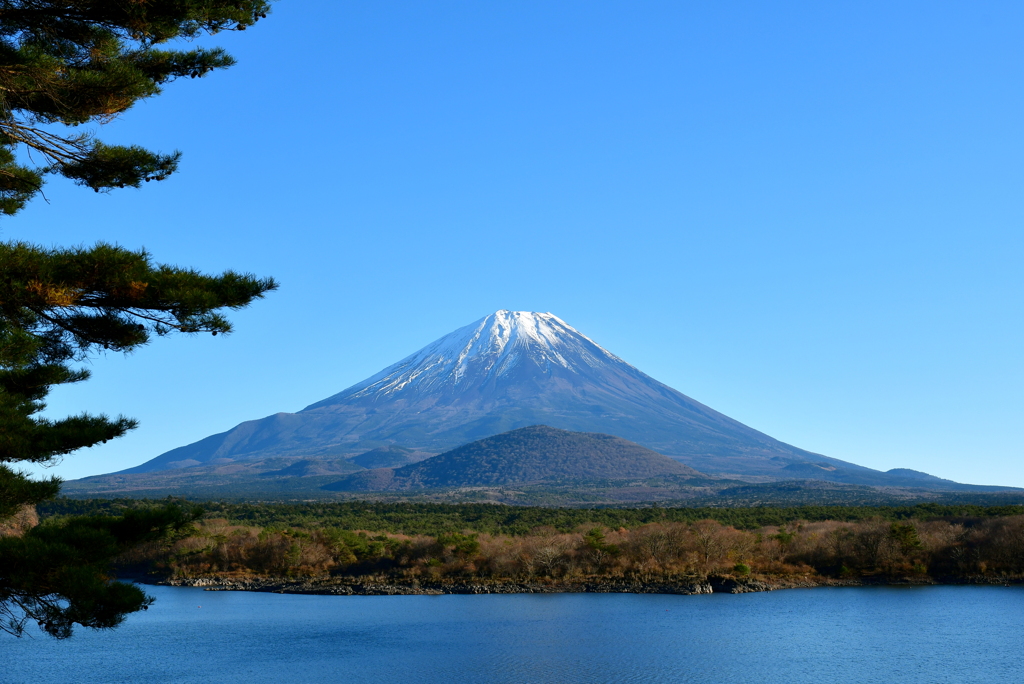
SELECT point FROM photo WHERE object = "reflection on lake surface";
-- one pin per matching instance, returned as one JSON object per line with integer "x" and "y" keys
{"x": 877, "y": 634}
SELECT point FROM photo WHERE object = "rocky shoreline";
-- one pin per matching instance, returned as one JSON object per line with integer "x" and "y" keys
{"x": 388, "y": 586}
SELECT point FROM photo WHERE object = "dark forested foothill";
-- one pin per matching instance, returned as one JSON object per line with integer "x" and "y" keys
{"x": 531, "y": 454}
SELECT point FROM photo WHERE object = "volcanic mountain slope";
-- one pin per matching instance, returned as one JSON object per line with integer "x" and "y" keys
{"x": 389, "y": 456}
{"x": 528, "y": 455}
{"x": 513, "y": 369}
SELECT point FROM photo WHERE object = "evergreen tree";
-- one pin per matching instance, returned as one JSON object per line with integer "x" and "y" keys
{"x": 70, "y": 62}
{"x": 65, "y": 63}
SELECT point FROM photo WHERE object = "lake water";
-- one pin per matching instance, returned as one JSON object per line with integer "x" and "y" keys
{"x": 877, "y": 634}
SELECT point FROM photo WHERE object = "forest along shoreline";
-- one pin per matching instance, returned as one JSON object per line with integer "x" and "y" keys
{"x": 300, "y": 550}
{"x": 346, "y": 586}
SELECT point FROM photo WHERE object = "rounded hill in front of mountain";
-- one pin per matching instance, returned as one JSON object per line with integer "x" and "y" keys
{"x": 528, "y": 455}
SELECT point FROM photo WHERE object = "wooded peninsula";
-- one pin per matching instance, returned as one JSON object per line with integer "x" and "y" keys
{"x": 388, "y": 548}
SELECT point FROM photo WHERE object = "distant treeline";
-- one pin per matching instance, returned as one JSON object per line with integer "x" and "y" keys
{"x": 960, "y": 549}
{"x": 410, "y": 541}
{"x": 434, "y": 519}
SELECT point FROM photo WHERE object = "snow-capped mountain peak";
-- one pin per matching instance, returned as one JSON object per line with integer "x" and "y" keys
{"x": 489, "y": 348}
{"x": 509, "y": 370}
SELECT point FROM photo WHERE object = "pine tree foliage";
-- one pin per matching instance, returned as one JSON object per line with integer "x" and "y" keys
{"x": 64, "y": 63}
{"x": 75, "y": 553}
{"x": 57, "y": 306}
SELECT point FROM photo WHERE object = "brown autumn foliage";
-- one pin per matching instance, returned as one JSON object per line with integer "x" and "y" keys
{"x": 15, "y": 526}
{"x": 944, "y": 549}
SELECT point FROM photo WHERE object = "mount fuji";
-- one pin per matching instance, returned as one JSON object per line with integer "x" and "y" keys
{"x": 509, "y": 370}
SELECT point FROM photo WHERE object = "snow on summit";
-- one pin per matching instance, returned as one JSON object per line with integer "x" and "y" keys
{"x": 492, "y": 347}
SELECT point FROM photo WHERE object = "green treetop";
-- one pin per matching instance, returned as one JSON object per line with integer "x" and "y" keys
{"x": 64, "y": 63}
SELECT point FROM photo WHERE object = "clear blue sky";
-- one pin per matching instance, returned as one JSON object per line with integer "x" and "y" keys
{"x": 806, "y": 215}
